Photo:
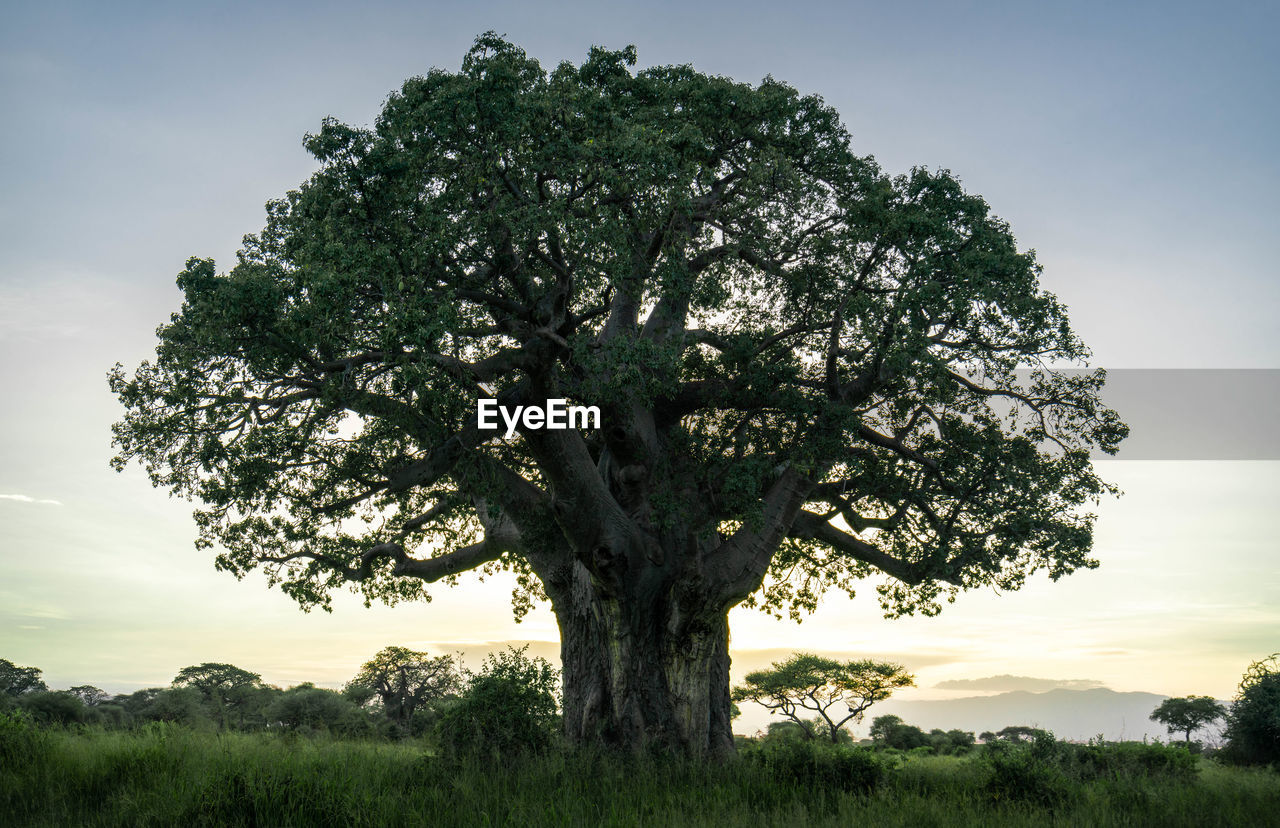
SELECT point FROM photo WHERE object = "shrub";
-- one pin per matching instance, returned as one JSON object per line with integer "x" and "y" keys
{"x": 1121, "y": 760}
{"x": 310, "y": 709}
{"x": 53, "y": 707}
{"x": 950, "y": 742}
{"x": 508, "y": 708}
{"x": 804, "y": 729}
{"x": 1253, "y": 725}
{"x": 819, "y": 766}
{"x": 178, "y": 705}
{"x": 1023, "y": 773}
{"x": 1045, "y": 770}
{"x": 20, "y": 740}
{"x": 892, "y": 732}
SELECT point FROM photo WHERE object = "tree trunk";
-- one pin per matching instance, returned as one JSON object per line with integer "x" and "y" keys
{"x": 641, "y": 672}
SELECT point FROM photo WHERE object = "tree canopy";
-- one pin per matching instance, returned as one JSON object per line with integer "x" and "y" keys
{"x": 405, "y": 680}
{"x": 230, "y": 693}
{"x": 807, "y": 370}
{"x": 1188, "y": 714}
{"x": 15, "y": 680}
{"x": 807, "y": 682}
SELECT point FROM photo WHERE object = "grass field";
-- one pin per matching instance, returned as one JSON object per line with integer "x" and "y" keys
{"x": 166, "y": 775}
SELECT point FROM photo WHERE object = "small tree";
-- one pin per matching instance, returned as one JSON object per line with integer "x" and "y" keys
{"x": 1188, "y": 714}
{"x": 954, "y": 742}
{"x": 1253, "y": 725}
{"x": 1015, "y": 733}
{"x": 406, "y": 680}
{"x": 891, "y": 731}
{"x": 817, "y": 684}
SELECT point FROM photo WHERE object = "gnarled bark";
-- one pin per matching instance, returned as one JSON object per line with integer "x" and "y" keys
{"x": 643, "y": 672}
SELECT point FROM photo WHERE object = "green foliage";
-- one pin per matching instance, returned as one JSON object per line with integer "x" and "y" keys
{"x": 15, "y": 680}
{"x": 761, "y": 313}
{"x": 952, "y": 742}
{"x": 54, "y": 707}
{"x": 137, "y": 704}
{"x": 1014, "y": 733}
{"x": 232, "y": 697}
{"x": 309, "y": 709}
{"x": 90, "y": 695}
{"x": 1253, "y": 725}
{"x": 819, "y": 767}
{"x": 20, "y": 738}
{"x": 165, "y": 775}
{"x": 180, "y": 705}
{"x": 1026, "y": 774}
{"x": 807, "y": 682}
{"x": 1047, "y": 772}
{"x": 1188, "y": 714}
{"x": 893, "y": 733}
{"x": 405, "y": 683}
{"x": 508, "y": 708}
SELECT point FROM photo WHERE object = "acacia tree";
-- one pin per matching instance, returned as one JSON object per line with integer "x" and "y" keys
{"x": 807, "y": 682}
{"x": 90, "y": 695}
{"x": 806, "y": 370}
{"x": 232, "y": 695}
{"x": 1188, "y": 714}
{"x": 405, "y": 680}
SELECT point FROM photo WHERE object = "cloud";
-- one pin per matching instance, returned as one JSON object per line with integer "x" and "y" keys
{"x": 25, "y": 499}
{"x": 1005, "y": 683}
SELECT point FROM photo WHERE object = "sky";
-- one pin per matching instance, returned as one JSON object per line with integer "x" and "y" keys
{"x": 1130, "y": 145}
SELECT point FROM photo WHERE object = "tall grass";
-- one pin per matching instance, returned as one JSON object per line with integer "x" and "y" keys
{"x": 165, "y": 775}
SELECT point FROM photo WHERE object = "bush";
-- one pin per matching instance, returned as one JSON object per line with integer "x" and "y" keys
{"x": 20, "y": 740}
{"x": 1253, "y": 725}
{"x": 1023, "y": 773}
{"x": 1045, "y": 770}
{"x": 892, "y": 732}
{"x": 53, "y": 707}
{"x": 178, "y": 705}
{"x": 1129, "y": 760}
{"x": 508, "y": 708}
{"x": 310, "y": 709}
{"x": 805, "y": 729}
{"x": 819, "y": 766}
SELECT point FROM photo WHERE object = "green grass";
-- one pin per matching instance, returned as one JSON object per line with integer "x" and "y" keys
{"x": 172, "y": 776}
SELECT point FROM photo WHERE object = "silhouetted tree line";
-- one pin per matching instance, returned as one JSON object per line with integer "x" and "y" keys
{"x": 892, "y": 732}
{"x": 511, "y": 702}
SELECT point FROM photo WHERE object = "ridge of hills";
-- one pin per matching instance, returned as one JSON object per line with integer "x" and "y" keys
{"x": 1076, "y": 715}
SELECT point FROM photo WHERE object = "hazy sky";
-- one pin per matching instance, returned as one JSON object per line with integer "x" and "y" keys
{"x": 1132, "y": 145}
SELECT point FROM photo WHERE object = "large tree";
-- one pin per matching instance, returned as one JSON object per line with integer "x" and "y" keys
{"x": 406, "y": 680}
{"x": 806, "y": 370}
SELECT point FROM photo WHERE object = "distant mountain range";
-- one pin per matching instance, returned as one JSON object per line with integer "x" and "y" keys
{"x": 1070, "y": 714}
